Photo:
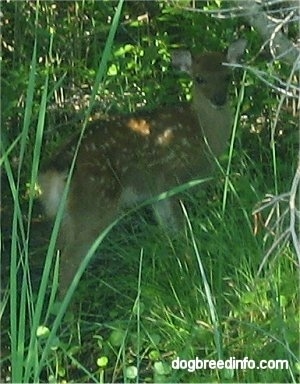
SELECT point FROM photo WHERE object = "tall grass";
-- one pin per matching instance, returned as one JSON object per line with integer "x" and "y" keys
{"x": 29, "y": 350}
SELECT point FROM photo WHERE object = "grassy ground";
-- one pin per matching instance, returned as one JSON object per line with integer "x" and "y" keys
{"x": 148, "y": 298}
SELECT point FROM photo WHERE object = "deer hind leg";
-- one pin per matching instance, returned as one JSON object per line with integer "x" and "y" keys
{"x": 76, "y": 238}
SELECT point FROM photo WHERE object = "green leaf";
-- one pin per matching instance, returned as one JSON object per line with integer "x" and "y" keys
{"x": 42, "y": 331}
{"x": 117, "y": 337}
{"x": 162, "y": 368}
{"x": 131, "y": 372}
{"x": 154, "y": 355}
{"x": 102, "y": 361}
{"x": 112, "y": 70}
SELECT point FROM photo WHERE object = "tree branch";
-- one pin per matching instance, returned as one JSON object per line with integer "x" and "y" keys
{"x": 281, "y": 47}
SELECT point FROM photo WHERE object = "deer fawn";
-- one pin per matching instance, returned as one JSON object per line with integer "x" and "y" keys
{"x": 124, "y": 160}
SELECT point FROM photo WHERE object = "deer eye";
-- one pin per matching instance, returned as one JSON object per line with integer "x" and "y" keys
{"x": 200, "y": 80}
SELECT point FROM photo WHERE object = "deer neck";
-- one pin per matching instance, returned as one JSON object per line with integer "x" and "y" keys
{"x": 215, "y": 123}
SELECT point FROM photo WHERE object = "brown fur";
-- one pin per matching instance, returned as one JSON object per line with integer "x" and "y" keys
{"x": 125, "y": 160}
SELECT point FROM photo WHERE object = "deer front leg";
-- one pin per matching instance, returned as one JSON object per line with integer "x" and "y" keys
{"x": 168, "y": 213}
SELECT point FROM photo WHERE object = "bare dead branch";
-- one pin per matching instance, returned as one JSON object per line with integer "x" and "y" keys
{"x": 281, "y": 47}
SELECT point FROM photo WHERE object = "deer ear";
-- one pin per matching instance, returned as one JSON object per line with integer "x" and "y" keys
{"x": 182, "y": 60}
{"x": 236, "y": 50}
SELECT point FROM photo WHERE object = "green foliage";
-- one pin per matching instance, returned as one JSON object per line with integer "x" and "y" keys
{"x": 149, "y": 298}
